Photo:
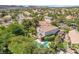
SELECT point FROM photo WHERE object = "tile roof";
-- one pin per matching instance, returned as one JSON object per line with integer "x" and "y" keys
{"x": 45, "y": 26}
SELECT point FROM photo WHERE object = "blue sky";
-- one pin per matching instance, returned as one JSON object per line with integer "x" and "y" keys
{"x": 39, "y": 2}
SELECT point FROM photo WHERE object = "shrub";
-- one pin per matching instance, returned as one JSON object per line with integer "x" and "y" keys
{"x": 49, "y": 38}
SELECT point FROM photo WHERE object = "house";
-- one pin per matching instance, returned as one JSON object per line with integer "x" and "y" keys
{"x": 70, "y": 51}
{"x": 74, "y": 36}
{"x": 69, "y": 17}
{"x": 35, "y": 10}
{"x": 48, "y": 19}
{"x": 6, "y": 20}
{"x": 20, "y": 18}
{"x": 30, "y": 18}
{"x": 45, "y": 28}
{"x": 26, "y": 13}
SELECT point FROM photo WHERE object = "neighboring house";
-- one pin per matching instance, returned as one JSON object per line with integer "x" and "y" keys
{"x": 70, "y": 17}
{"x": 45, "y": 28}
{"x": 70, "y": 51}
{"x": 6, "y": 20}
{"x": 30, "y": 18}
{"x": 20, "y": 18}
{"x": 26, "y": 13}
{"x": 74, "y": 36}
{"x": 35, "y": 10}
{"x": 63, "y": 26}
{"x": 48, "y": 19}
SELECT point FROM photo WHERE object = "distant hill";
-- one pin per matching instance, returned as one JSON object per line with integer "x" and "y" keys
{"x": 10, "y": 6}
{"x": 32, "y": 6}
{"x": 54, "y": 6}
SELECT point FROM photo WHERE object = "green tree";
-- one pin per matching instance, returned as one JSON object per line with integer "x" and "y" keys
{"x": 49, "y": 38}
{"x": 4, "y": 36}
{"x": 16, "y": 29}
{"x": 57, "y": 44}
{"x": 21, "y": 45}
{"x": 29, "y": 26}
{"x": 75, "y": 47}
{"x": 44, "y": 51}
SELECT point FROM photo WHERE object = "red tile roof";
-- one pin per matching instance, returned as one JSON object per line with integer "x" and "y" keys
{"x": 45, "y": 26}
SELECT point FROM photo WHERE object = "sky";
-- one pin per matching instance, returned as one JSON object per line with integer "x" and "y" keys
{"x": 39, "y": 2}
